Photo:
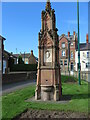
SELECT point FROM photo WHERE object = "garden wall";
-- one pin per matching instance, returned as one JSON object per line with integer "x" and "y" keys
{"x": 18, "y": 76}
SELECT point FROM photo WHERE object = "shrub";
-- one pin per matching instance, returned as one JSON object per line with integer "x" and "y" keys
{"x": 24, "y": 67}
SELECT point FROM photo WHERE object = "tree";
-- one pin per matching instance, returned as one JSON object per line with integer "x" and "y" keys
{"x": 20, "y": 61}
{"x": 10, "y": 62}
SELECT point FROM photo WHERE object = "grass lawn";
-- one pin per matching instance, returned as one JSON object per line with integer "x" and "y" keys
{"x": 14, "y": 103}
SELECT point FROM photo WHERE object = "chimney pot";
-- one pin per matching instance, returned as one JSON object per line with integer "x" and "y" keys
{"x": 73, "y": 32}
{"x": 86, "y": 38}
{"x": 68, "y": 34}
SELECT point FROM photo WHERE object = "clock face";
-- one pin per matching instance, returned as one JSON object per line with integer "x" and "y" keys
{"x": 47, "y": 54}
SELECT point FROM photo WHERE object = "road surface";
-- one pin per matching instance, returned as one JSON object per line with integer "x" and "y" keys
{"x": 15, "y": 86}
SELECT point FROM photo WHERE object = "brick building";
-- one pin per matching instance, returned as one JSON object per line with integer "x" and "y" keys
{"x": 24, "y": 56}
{"x": 6, "y": 57}
{"x": 1, "y": 53}
{"x": 27, "y": 58}
{"x": 32, "y": 59}
{"x": 67, "y": 48}
{"x": 84, "y": 56}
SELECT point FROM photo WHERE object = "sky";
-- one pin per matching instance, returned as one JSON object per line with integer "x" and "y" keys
{"x": 21, "y": 23}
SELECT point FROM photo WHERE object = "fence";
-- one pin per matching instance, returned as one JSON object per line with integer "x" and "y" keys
{"x": 85, "y": 75}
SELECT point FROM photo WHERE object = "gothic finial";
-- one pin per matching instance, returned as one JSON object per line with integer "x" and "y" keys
{"x": 48, "y": 6}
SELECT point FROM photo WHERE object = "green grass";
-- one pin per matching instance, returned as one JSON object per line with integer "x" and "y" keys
{"x": 14, "y": 103}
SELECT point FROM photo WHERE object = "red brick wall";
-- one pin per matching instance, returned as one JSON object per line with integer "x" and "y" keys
{"x": 72, "y": 49}
{"x": 60, "y": 46}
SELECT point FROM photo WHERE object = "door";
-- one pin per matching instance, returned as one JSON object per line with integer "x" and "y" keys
{"x": 71, "y": 66}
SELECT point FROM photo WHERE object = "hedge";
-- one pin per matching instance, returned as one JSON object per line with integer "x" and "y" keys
{"x": 23, "y": 67}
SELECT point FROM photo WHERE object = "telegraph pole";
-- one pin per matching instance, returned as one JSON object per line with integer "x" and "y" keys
{"x": 68, "y": 56}
{"x": 78, "y": 44}
{"x": 24, "y": 57}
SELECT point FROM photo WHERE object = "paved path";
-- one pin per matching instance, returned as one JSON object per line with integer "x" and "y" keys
{"x": 15, "y": 86}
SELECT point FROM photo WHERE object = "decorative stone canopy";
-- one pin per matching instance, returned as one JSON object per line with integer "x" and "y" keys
{"x": 48, "y": 6}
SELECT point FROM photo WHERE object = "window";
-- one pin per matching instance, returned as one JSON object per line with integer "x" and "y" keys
{"x": 83, "y": 54}
{"x": 26, "y": 62}
{"x": 61, "y": 62}
{"x": 88, "y": 65}
{"x": 71, "y": 54}
{"x": 71, "y": 43}
{"x": 65, "y": 62}
{"x": 87, "y": 54}
{"x": 63, "y": 53}
{"x": 63, "y": 45}
{"x": 23, "y": 59}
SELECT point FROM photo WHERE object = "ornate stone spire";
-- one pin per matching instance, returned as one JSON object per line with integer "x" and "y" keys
{"x": 48, "y": 6}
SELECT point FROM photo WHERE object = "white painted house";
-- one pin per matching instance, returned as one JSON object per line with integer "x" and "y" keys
{"x": 84, "y": 57}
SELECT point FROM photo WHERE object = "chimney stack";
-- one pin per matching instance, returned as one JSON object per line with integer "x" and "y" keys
{"x": 31, "y": 52}
{"x": 87, "y": 38}
{"x": 73, "y": 32}
{"x": 68, "y": 34}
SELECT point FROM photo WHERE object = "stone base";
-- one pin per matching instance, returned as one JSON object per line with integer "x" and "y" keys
{"x": 56, "y": 93}
{"x": 37, "y": 93}
{"x": 46, "y": 93}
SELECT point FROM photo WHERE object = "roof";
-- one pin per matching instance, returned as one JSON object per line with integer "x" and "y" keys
{"x": 26, "y": 55}
{"x": 84, "y": 46}
{"x": 2, "y": 38}
{"x": 66, "y": 36}
{"x": 9, "y": 54}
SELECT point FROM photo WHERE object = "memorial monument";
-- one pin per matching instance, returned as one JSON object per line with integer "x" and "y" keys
{"x": 48, "y": 76}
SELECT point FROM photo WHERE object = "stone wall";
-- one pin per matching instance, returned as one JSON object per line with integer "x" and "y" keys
{"x": 18, "y": 76}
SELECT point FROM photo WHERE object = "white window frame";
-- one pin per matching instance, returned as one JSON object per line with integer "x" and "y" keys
{"x": 61, "y": 61}
{"x": 63, "y": 45}
{"x": 65, "y": 62}
{"x": 63, "y": 53}
{"x": 71, "y": 43}
{"x": 88, "y": 65}
{"x": 88, "y": 54}
{"x": 71, "y": 55}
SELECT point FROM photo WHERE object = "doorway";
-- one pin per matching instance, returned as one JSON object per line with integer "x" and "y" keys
{"x": 71, "y": 66}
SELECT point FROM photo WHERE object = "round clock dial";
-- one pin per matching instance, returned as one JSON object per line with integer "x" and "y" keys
{"x": 47, "y": 54}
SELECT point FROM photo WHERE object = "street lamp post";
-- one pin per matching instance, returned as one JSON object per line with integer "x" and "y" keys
{"x": 68, "y": 56}
{"x": 78, "y": 44}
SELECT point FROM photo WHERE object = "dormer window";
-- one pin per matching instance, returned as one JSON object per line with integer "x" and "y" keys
{"x": 63, "y": 45}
